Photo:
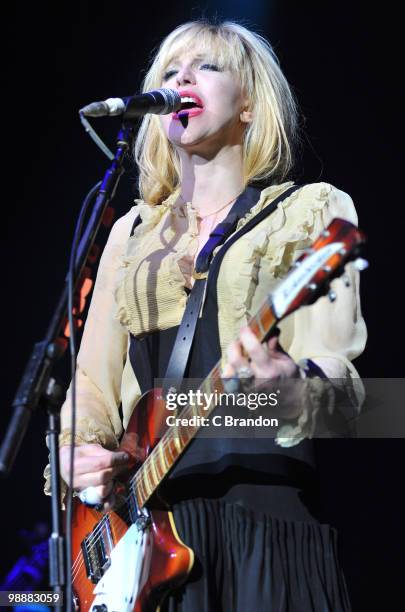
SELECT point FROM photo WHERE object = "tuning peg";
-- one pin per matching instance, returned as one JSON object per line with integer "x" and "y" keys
{"x": 360, "y": 264}
{"x": 325, "y": 233}
{"x": 346, "y": 280}
{"x": 312, "y": 286}
{"x": 332, "y": 295}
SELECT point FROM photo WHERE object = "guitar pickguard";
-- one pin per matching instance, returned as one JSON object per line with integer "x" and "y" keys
{"x": 121, "y": 583}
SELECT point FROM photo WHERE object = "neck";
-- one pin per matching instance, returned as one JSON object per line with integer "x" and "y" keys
{"x": 210, "y": 183}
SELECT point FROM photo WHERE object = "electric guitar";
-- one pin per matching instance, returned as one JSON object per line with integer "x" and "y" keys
{"x": 129, "y": 559}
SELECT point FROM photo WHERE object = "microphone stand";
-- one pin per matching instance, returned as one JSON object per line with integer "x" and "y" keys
{"x": 38, "y": 387}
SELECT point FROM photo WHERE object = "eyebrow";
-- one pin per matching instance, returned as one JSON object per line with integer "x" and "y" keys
{"x": 199, "y": 56}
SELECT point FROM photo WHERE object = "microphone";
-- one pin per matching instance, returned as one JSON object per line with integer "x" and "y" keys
{"x": 159, "y": 102}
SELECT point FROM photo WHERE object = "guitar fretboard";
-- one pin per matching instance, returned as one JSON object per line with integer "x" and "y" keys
{"x": 176, "y": 438}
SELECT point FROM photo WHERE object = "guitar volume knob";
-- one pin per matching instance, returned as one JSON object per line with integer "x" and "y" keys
{"x": 360, "y": 264}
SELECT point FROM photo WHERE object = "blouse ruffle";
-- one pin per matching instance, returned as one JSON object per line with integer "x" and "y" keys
{"x": 150, "y": 290}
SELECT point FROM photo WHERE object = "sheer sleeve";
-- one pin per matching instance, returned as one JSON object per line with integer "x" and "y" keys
{"x": 330, "y": 334}
{"x": 102, "y": 355}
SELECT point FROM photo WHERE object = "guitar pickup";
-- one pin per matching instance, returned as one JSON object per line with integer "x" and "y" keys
{"x": 96, "y": 549}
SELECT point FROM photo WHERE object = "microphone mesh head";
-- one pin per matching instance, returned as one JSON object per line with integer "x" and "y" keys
{"x": 172, "y": 100}
{"x": 116, "y": 106}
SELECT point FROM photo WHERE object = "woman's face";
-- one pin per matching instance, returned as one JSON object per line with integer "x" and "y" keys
{"x": 212, "y": 102}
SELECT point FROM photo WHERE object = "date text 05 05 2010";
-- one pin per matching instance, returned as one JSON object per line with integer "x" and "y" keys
{"x": 18, "y": 598}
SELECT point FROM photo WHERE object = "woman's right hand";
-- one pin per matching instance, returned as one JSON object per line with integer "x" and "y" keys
{"x": 94, "y": 466}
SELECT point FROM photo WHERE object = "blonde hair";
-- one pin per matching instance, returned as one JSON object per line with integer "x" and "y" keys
{"x": 268, "y": 139}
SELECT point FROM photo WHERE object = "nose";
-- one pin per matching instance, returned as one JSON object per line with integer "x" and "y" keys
{"x": 185, "y": 76}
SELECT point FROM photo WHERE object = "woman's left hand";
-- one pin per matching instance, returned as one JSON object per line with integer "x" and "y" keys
{"x": 261, "y": 365}
{"x": 266, "y": 361}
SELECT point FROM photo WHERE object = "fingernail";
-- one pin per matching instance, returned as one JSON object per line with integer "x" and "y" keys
{"x": 124, "y": 456}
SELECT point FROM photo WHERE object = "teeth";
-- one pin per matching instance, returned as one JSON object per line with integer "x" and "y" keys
{"x": 188, "y": 99}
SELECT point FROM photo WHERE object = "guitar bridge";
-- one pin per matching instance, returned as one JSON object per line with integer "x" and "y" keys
{"x": 96, "y": 549}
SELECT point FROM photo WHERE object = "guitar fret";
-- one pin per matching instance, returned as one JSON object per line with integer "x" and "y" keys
{"x": 134, "y": 489}
{"x": 206, "y": 386}
{"x": 188, "y": 433}
{"x": 162, "y": 457}
{"x": 154, "y": 474}
{"x": 174, "y": 436}
{"x": 177, "y": 446}
{"x": 141, "y": 490}
{"x": 146, "y": 481}
{"x": 195, "y": 410}
{"x": 217, "y": 378}
{"x": 158, "y": 467}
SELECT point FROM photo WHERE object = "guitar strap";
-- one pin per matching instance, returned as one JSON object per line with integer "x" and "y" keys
{"x": 185, "y": 333}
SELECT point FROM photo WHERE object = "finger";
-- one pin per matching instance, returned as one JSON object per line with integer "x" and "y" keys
{"x": 95, "y": 463}
{"x": 236, "y": 357}
{"x": 90, "y": 449}
{"x": 276, "y": 351}
{"x": 275, "y": 348}
{"x": 254, "y": 348}
{"x": 93, "y": 479}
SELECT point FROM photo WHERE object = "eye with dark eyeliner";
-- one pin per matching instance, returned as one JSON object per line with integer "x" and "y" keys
{"x": 168, "y": 74}
{"x": 208, "y": 66}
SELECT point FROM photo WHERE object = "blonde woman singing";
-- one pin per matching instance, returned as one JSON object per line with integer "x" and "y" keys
{"x": 247, "y": 507}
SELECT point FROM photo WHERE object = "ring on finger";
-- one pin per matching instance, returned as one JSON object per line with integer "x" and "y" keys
{"x": 245, "y": 371}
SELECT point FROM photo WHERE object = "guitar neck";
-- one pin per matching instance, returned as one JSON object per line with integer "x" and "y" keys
{"x": 175, "y": 440}
{"x": 309, "y": 278}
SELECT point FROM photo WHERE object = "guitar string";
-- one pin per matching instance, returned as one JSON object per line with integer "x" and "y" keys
{"x": 113, "y": 523}
{"x": 117, "y": 529}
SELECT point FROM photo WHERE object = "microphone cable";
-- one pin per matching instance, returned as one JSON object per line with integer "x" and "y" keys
{"x": 94, "y": 136}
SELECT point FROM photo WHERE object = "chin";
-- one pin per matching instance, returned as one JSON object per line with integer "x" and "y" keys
{"x": 187, "y": 138}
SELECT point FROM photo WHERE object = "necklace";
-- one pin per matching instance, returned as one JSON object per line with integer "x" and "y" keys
{"x": 215, "y": 211}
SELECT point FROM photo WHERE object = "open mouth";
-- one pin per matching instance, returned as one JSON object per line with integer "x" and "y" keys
{"x": 191, "y": 105}
{"x": 188, "y": 102}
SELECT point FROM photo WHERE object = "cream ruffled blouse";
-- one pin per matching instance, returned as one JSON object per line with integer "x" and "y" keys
{"x": 140, "y": 288}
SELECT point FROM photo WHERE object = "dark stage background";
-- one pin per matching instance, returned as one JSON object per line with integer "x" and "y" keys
{"x": 343, "y": 65}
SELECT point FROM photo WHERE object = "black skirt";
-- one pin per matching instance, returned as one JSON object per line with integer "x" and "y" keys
{"x": 250, "y": 561}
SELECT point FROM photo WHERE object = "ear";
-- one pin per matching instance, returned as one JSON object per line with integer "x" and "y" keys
{"x": 246, "y": 116}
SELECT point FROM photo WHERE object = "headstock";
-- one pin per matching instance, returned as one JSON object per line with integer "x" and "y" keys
{"x": 325, "y": 260}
